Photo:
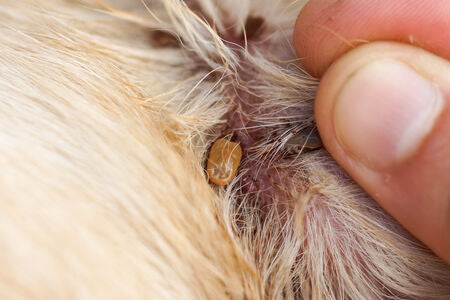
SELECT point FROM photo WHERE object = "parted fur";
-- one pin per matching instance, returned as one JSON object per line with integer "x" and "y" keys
{"x": 104, "y": 132}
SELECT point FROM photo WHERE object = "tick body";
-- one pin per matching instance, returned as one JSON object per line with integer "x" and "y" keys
{"x": 304, "y": 141}
{"x": 223, "y": 161}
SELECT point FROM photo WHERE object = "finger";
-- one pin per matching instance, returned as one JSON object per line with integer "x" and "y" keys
{"x": 326, "y": 29}
{"x": 383, "y": 111}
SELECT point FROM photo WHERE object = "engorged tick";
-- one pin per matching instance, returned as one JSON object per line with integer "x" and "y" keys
{"x": 223, "y": 161}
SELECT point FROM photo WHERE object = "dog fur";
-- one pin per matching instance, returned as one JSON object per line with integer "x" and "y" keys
{"x": 107, "y": 112}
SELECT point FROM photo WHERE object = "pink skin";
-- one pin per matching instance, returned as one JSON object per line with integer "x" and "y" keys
{"x": 416, "y": 192}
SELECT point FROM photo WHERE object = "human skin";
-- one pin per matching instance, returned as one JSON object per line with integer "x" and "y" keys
{"x": 362, "y": 117}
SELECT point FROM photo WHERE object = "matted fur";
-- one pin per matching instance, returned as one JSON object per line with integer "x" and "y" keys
{"x": 103, "y": 136}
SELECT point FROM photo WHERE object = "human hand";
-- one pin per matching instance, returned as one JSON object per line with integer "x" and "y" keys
{"x": 383, "y": 109}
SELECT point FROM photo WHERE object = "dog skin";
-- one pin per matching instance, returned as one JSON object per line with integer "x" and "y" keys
{"x": 108, "y": 111}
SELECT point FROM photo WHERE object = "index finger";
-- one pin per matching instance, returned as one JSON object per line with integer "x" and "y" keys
{"x": 326, "y": 29}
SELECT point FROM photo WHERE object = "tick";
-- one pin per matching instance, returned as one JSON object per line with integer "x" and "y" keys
{"x": 223, "y": 161}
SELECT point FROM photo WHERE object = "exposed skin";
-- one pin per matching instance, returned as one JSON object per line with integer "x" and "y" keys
{"x": 416, "y": 189}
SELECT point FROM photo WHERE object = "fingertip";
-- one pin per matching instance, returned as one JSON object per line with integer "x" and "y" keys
{"x": 308, "y": 39}
{"x": 383, "y": 113}
{"x": 327, "y": 29}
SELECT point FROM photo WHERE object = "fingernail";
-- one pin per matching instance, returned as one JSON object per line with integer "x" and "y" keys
{"x": 384, "y": 112}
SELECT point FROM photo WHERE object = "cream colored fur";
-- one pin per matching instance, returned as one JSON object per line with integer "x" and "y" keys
{"x": 103, "y": 135}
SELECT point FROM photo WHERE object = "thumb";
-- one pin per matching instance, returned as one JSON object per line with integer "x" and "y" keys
{"x": 383, "y": 111}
